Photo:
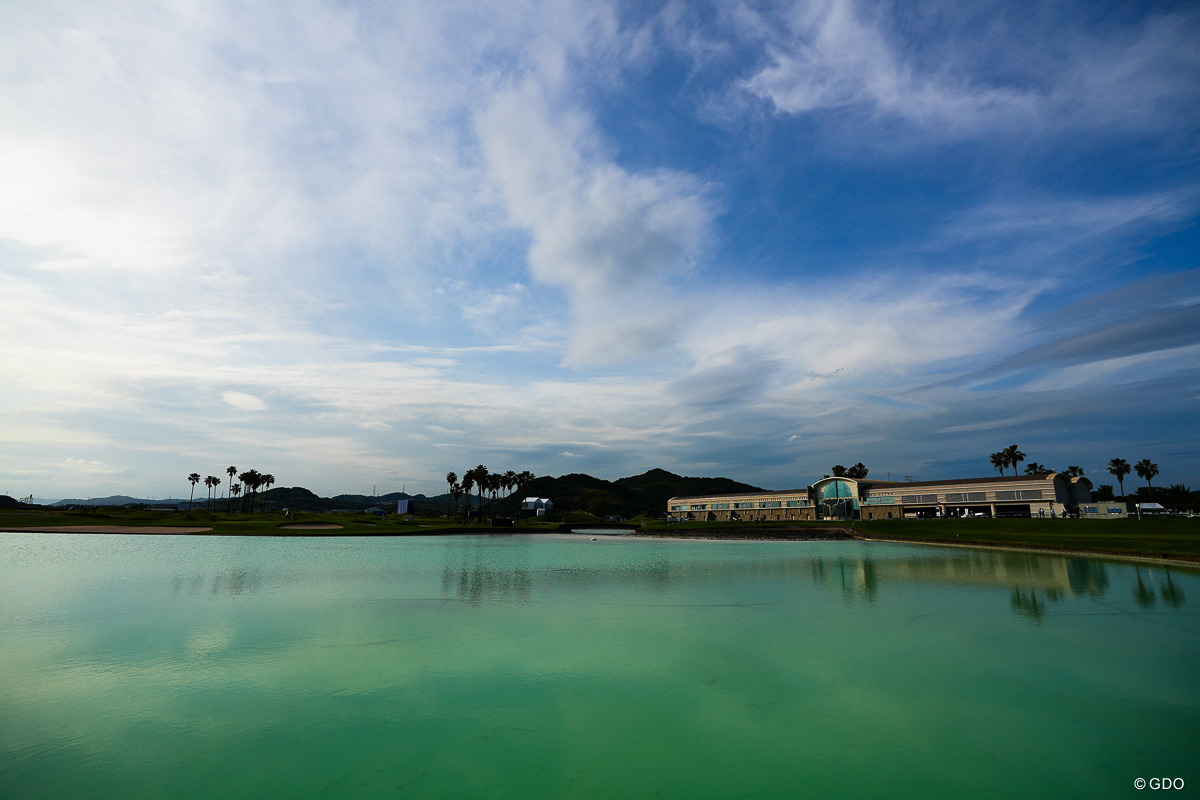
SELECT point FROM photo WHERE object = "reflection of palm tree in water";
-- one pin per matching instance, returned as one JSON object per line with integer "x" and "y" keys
{"x": 1143, "y": 594}
{"x": 1172, "y": 595}
{"x": 1030, "y": 605}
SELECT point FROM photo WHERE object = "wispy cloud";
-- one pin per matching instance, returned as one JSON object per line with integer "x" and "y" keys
{"x": 369, "y": 242}
{"x": 612, "y": 240}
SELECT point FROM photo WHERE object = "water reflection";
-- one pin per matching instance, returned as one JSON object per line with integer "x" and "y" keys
{"x": 1172, "y": 595}
{"x": 233, "y": 583}
{"x": 1033, "y": 584}
{"x": 1029, "y": 605}
{"x": 477, "y": 583}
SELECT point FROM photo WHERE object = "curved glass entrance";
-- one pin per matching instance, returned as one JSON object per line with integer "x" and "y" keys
{"x": 839, "y": 500}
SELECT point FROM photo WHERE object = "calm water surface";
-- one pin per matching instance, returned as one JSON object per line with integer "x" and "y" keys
{"x": 556, "y": 667}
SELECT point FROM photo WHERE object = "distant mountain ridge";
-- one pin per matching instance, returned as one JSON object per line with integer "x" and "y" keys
{"x": 647, "y": 492}
{"x": 120, "y": 500}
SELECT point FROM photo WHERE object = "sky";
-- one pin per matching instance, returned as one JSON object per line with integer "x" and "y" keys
{"x": 359, "y": 245}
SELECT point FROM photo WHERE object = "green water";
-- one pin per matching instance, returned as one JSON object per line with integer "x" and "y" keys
{"x": 557, "y": 667}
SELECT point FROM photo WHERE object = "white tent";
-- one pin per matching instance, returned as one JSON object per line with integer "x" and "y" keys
{"x": 539, "y": 506}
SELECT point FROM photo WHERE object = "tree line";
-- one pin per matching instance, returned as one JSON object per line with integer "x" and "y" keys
{"x": 247, "y": 489}
{"x": 486, "y": 483}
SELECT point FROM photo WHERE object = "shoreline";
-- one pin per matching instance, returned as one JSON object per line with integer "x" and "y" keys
{"x": 856, "y": 535}
{"x": 745, "y": 534}
{"x": 154, "y": 529}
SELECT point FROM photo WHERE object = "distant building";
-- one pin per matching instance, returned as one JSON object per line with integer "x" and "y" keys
{"x": 1104, "y": 510}
{"x": 1049, "y": 494}
{"x": 536, "y": 507}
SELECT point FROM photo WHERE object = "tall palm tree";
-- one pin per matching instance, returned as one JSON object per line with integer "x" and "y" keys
{"x": 456, "y": 491}
{"x": 481, "y": 480}
{"x": 251, "y": 479}
{"x": 194, "y": 478}
{"x": 524, "y": 478}
{"x": 235, "y": 490}
{"x": 510, "y": 483}
{"x": 493, "y": 485}
{"x": 467, "y": 484}
{"x": 1014, "y": 456}
{"x": 999, "y": 462}
{"x": 1146, "y": 469}
{"x": 230, "y": 471}
{"x": 451, "y": 479}
{"x": 1119, "y": 468}
{"x": 1075, "y": 472}
{"x": 268, "y": 481}
{"x": 212, "y": 482}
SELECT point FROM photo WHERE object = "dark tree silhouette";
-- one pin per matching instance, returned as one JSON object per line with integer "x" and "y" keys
{"x": 1119, "y": 468}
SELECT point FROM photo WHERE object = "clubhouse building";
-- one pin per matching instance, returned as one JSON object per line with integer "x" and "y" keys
{"x": 1048, "y": 494}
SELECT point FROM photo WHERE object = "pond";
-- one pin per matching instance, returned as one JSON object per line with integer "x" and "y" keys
{"x": 561, "y": 667}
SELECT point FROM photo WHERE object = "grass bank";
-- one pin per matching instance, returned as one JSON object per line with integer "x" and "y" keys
{"x": 1176, "y": 538}
{"x": 247, "y": 524}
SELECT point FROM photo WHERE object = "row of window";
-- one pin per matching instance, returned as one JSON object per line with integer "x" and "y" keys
{"x": 748, "y": 505}
{"x": 908, "y": 500}
{"x": 1024, "y": 494}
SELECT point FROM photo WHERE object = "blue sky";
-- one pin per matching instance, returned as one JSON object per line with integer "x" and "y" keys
{"x": 364, "y": 244}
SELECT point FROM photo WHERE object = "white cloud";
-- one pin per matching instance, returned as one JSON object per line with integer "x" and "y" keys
{"x": 939, "y": 74}
{"x": 831, "y": 57}
{"x": 246, "y": 402}
{"x": 611, "y": 239}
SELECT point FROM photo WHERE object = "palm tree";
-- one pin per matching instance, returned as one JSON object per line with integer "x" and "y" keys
{"x": 212, "y": 482}
{"x": 510, "y": 483}
{"x": 999, "y": 462}
{"x": 1075, "y": 472}
{"x": 251, "y": 479}
{"x": 194, "y": 478}
{"x": 231, "y": 471}
{"x": 493, "y": 481}
{"x": 481, "y": 479}
{"x": 235, "y": 490}
{"x": 456, "y": 491}
{"x": 1013, "y": 456}
{"x": 524, "y": 478}
{"x": 858, "y": 471}
{"x": 268, "y": 481}
{"x": 467, "y": 484}
{"x": 1119, "y": 468}
{"x": 838, "y": 471}
{"x": 1146, "y": 469}
{"x": 1034, "y": 468}
{"x": 451, "y": 479}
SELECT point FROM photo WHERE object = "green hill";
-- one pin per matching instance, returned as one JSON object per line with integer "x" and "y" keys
{"x": 648, "y": 492}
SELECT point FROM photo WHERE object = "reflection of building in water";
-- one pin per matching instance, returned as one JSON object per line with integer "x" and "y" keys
{"x": 850, "y": 498}
{"x": 1026, "y": 573}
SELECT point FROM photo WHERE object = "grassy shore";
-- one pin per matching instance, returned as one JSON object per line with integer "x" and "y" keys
{"x": 1176, "y": 538}
{"x": 270, "y": 524}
